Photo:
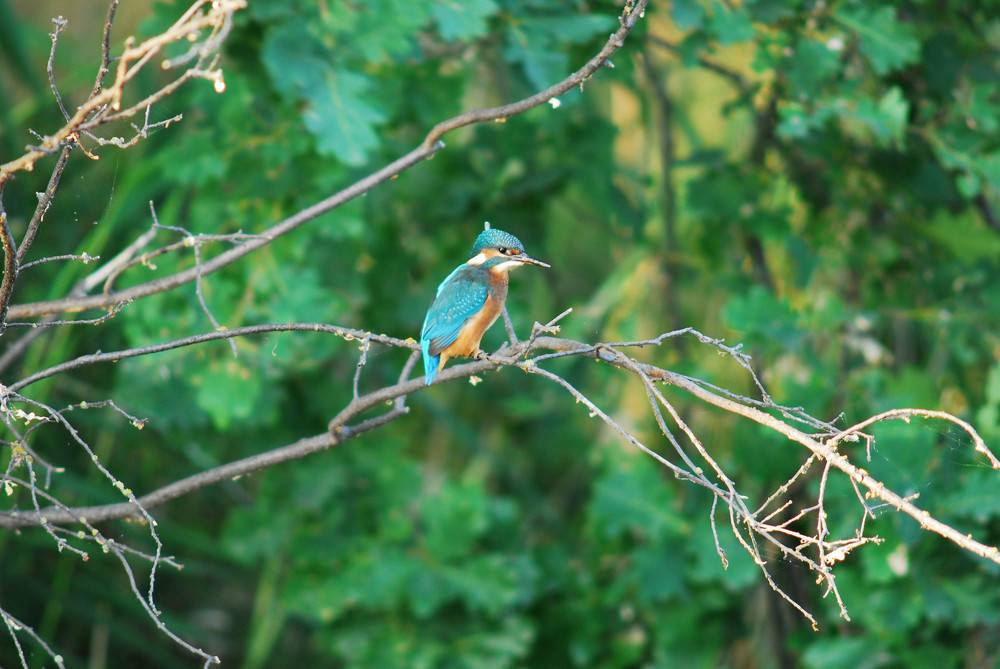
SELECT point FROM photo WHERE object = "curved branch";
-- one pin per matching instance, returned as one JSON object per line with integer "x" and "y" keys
{"x": 44, "y": 204}
{"x": 512, "y": 355}
{"x": 160, "y": 285}
{"x": 634, "y": 10}
{"x": 95, "y": 514}
{"x": 115, "y": 356}
{"x": 10, "y": 264}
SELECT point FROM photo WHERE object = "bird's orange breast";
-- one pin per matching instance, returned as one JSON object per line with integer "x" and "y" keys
{"x": 471, "y": 334}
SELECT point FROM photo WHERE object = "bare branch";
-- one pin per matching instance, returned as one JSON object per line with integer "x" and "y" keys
{"x": 82, "y": 257}
{"x": 114, "y": 356}
{"x": 58, "y": 23}
{"x": 227, "y": 257}
{"x": 10, "y": 267}
{"x": 340, "y": 431}
{"x": 14, "y": 626}
{"x": 44, "y": 203}
{"x": 104, "y": 68}
{"x": 906, "y": 414}
{"x": 634, "y": 10}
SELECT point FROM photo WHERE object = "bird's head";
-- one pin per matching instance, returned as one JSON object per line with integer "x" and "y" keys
{"x": 500, "y": 251}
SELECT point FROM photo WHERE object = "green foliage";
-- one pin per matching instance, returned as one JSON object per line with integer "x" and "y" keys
{"x": 463, "y": 20}
{"x": 339, "y": 112}
{"x": 883, "y": 39}
{"x": 835, "y": 171}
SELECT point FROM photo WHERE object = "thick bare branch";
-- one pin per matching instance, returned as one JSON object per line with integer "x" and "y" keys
{"x": 516, "y": 355}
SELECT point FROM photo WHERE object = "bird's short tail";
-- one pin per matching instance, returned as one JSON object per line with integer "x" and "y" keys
{"x": 431, "y": 362}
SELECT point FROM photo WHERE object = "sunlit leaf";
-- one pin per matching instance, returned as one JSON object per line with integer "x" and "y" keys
{"x": 888, "y": 42}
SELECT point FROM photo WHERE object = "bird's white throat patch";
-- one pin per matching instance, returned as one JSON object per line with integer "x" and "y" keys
{"x": 499, "y": 268}
{"x": 506, "y": 266}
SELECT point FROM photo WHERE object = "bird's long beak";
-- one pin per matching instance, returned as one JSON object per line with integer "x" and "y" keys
{"x": 528, "y": 260}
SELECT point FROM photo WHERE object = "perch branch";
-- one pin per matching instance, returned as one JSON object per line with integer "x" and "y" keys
{"x": 340, "y": 430}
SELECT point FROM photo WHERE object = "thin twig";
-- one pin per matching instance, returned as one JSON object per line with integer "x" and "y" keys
{"x": 191, "y": 241}
{"x": 85, "y": 258}
{"x": 44, "y": 204}
{"x": 58, "y": 24}
{"x": 14, "y": 626}
{"x": 10, "y": 266}
{"x": 630, "y": 17}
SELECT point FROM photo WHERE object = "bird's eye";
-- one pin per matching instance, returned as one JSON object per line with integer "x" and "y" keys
{"x": 503, "y": 250}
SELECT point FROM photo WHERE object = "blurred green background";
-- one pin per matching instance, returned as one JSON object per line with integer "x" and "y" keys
{"x": 815, "y": 180}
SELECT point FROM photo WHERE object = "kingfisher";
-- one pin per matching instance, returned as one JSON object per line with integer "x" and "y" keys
{"x": 470, "y": 300}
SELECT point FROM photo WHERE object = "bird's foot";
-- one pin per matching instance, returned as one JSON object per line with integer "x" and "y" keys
{"x": 483, "y": 355}
{"x": 499, "y": 358}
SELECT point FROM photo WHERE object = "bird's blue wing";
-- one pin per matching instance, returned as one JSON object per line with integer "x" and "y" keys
{"x": 459, "y": 298}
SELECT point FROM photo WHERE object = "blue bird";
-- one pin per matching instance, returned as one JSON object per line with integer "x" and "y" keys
{"x": 470, "y": 300}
